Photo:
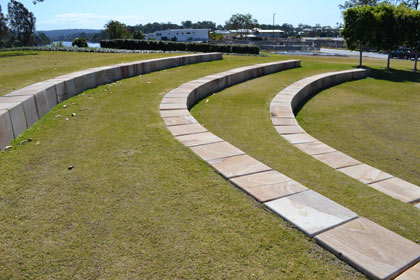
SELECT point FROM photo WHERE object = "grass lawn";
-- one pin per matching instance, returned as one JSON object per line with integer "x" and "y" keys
{"x": 241, "y": 116}
{"x": 384, "y": 111}
{"x": 21, "y": 68}
{"x": 138, "y": 204}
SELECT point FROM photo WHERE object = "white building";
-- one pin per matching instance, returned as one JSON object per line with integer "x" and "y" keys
{"x": 180, "y": 35}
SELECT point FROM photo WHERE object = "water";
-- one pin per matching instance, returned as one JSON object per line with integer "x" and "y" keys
{"x": 68, "y": 44}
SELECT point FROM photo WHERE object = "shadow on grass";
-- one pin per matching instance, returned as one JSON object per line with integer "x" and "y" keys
{"x": 12, "y": 54}
{"x": 395, "y": 75}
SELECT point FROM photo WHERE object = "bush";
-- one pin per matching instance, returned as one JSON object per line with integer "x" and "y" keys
{"x": 130, "y": 44}
{"x": 80, "y": 43}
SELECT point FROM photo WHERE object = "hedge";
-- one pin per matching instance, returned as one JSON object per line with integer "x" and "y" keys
{"x": 131, "y": 44}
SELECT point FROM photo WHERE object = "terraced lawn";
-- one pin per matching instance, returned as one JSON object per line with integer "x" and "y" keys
{"x": 241, "y": 116}
{"x": 374, "y": 120}
{"x": 138, "y": 204}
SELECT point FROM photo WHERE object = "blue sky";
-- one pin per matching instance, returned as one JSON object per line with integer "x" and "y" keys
{"x": 93, "y": 14}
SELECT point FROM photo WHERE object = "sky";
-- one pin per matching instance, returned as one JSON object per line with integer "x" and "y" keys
{"x": 94, "y": 14}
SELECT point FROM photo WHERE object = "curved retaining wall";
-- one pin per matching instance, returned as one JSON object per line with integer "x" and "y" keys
{"x": 291, "y": 98}
{"x": 20, "y": 109}
{"x": 370, "y": 248}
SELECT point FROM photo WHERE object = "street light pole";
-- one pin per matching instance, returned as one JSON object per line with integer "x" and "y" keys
{"x": 274, "y": 16}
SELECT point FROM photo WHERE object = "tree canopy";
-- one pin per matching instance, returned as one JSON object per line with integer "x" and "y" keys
{"x": 241, "y": 22}
{"x": 22, "y": 24}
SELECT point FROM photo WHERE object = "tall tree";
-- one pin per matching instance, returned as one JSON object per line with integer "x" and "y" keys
{"x": 22, "y": 23}
{"x": 116, "y": 30}
{"x": 390, "y": 34}
{"x": 353, "y": 3}
{"x": 359, "y": 28}
{"x": 412, "y": 32}
{"x": 242, "y": 22}
{"x": 4, "y": 30}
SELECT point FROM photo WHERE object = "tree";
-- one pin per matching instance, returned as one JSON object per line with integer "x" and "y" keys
{"x": 241, "y": 22}
{"x": 42, "y": 40}
{"x": 4, "y": 30}
{"x": 353, "y": 3}
{"x": 359, "y": 28}
{"x": 22, "y": 23}
{"x": 116, "y": 30}
{"x": 80, "y": 43}
{"x": 412, "y": 33}
{"x": 186, "y": 24}
{"x": 389, "y": 32}
{"x": 138, "y": 35}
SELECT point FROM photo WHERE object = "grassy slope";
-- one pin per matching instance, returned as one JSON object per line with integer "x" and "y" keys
{"x": 240, "y": 115}
{"x": 384, "y": 110}
{"x": 137, "y": 204}
{"x": 19, "y": 69}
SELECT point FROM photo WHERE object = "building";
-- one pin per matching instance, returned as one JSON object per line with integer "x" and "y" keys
{"x": 180, "y": 35}
{"x": 266, "y": 34}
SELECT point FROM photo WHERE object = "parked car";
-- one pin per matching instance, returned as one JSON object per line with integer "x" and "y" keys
{"x": 403, "y": 53}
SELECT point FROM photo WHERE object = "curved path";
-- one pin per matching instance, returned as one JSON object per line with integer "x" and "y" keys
{"x": 370, "y": 248}
{"x": 291, "y": 98}
{"x": 20, "y": 109}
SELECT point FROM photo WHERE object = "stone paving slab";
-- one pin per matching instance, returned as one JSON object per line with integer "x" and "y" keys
{"x": 311, "y": 212}
{"x": 282, "y": 114}
{"x": 180, "y": 120}
{"x": 29, "y": 106}
{"x": 376, "y": 251}
{"x": 178, "y": 100}
{"x": 238, "y": 166}
{"x": 266, "y": 193}
{"x": 399, "y": 189}
{"x": 268, "y": 185}
{"x": 284, "y": 121}
{"x": 6, "y": 129}
{"x": 260, "y": 179}
{"x": 186, "y": 129}
{"x": 337, "y": 159}
{"x": 293, "y": 129}
{"x": 176, "y": 106}
{"x": 174, "y": 113}
{"x": 17, "y": 116}
{"x": 216, "y": 151}
{"x": 299, "y": 138}
{"x": 198, "y": 139}
{"x": 365, "y": 173}
{"x": 411, "y": 274}
{"x": 315, "y": 148}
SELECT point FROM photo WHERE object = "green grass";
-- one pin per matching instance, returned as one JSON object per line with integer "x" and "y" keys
{"x": 138, "y": 204}
{"x": 21, "y": 68}
{"x": 375, "y": 120}
{"x": 241, "y": 116}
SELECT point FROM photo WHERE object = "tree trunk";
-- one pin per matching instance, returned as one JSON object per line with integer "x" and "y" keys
{"x": 361, "y": 55}
{"x": 389, "y": 60}
{"x": 416, "y": 57}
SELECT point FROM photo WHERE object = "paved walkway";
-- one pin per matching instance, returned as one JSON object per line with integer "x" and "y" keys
{"x": 283, "y": 118}
{"x": 372, "y": 249}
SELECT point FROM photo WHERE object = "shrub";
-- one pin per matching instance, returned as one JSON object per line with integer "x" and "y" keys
{"x": 131, "y": 44}
{"x": 80, "y": 43}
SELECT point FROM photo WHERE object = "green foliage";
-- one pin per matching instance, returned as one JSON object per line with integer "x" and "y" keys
{"x": 241, "y": 22}
{"x": 22, "y": 24}
{"x": 42, "y": 39}
{"x": 175, "y": 46}
{"x": 4, "y": 30}
{"x": 116, "y": 30}
{"x": 354, "y": 3}
{"x": 80, "y": 43}
{"x": 138, "y": 35}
